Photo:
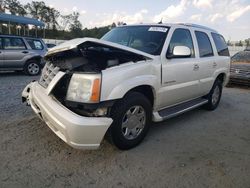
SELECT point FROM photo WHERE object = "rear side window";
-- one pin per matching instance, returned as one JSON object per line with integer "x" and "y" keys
{"x": 220, "y": 44}
{"x": 35, "y": 44}
{"x": 204, "y": 44}
{"x": 181, "y": 37}
{"x": 14, "y": 44}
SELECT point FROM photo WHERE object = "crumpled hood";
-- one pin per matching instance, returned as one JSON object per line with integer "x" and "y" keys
{"x": 71, "y": 44}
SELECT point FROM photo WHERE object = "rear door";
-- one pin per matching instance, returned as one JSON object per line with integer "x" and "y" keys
{"x": 180, "y": 76}
{"x": 14, "y": 52}
{"x": 207, "y": 61}
{"x": 1, "y": 53}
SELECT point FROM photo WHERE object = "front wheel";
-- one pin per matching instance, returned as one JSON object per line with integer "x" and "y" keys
{"x": 214, "y": 96}
{"x": 131, "y": 120}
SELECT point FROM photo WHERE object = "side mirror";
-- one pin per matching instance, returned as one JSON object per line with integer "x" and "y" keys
{"x": 180, "y": 52}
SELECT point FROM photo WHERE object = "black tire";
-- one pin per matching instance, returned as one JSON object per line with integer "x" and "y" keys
{"x": 118, "y": 113}
{"x": 35, "y": 71}
{"x": 213, "y": 104}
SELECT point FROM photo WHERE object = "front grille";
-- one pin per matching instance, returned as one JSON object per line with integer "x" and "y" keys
{"x": 48, "y": 73}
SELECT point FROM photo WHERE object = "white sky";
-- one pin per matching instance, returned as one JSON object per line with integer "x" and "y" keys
{"x": 229, "y": 17}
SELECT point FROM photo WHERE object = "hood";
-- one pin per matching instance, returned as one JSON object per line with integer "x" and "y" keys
{"x": 74, "y": 43}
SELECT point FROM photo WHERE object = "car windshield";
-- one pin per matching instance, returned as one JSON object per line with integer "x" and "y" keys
{"x": 149, "y": 39}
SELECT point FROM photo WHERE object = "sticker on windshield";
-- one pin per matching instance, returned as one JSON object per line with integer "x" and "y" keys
{"x": 158, "y": 29}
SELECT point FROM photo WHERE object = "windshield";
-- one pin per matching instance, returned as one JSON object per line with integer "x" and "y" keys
{"x": 149, "y": 39}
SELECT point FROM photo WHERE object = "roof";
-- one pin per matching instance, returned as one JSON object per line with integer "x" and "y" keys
{"x": 20, "y": 19}
{"x": 14, "y": 36}
{"x": 173, "y": 24}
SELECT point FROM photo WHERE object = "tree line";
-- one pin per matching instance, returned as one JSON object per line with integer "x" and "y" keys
{"x": 56, "y": 25}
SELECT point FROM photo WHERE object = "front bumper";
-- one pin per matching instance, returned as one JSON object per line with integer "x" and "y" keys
{"x": 77, "y": 131}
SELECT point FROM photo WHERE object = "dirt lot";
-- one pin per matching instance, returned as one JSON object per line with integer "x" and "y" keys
{"x": 197, "y": 149}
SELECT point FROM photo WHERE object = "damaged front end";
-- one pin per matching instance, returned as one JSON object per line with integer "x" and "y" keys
{"x": 80, "y": 63}
{"x": 67, "y": 96}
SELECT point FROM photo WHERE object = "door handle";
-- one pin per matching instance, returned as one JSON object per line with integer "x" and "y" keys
{"x": 214, "y": 64}
{"x": 196, "y": 67}
{"x": 25, "y": 52}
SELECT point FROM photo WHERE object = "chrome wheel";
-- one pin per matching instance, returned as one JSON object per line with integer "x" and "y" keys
{"x": 33, "y": 68}
{"x": 133, "y": 122}
{"x": 216, "y": 95}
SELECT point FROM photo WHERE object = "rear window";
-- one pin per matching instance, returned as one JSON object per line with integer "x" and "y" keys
{"x": 14, "y": 44}
{"x": 35, "y": 44}
{"x": 204, "y": 44}
{"x": 220, "y": 44}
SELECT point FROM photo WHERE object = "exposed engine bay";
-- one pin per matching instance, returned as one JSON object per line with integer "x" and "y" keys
{"x": 86, "y": 57}
{"x": 92, "y": 57}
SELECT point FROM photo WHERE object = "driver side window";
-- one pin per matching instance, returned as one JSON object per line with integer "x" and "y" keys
{"x": 181, "y": 37}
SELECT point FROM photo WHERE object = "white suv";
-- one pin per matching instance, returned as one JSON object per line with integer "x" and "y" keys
{"x": 132, "y": 76}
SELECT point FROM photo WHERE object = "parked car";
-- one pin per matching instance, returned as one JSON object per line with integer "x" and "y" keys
{"x": 240, "y": 68}
{"x": 247, "y": 48}
{"x": 22, "y": 54}
{"x": 50, "y": 45}
{"x": 133, "y": 75}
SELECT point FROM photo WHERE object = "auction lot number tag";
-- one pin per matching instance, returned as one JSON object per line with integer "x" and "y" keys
{"x": 158, "y": 29}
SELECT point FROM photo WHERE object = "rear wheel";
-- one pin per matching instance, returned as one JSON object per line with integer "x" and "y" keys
{"x": 32, "y": 68}
{"x": 214, "y": 96}
{"x": 131, "y": 120}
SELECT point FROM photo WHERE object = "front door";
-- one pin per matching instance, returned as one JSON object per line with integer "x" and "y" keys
{"x": 14, "y": 52}
{"x": 180, "y": 76}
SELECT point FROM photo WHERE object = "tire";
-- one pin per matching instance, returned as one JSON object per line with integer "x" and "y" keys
{"x": 214, "y": 96}
{"x": 131, "y": 120}
{"x": 32, "y": 68}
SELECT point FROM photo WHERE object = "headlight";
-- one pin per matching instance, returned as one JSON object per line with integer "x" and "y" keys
{"x": 84, "y": 88}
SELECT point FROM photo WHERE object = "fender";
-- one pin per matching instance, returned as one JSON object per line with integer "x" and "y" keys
{"x": 120, "y": 90}
{"x": 222, "y": 70}
{"x": 116, "y": 83}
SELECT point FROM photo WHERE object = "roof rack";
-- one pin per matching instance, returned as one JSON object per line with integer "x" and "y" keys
{"x": 198, "y": 26}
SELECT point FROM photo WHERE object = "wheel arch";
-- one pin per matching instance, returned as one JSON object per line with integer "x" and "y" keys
{"x": 36, "y": 58}
{"x": 222, "y": 77}
{"x": 146, "y": 90}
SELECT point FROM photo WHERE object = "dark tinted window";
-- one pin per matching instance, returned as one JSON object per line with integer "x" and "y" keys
{"x": 1, "y": 43}
{"x": 49, "y": 45}
{"x": 14, "y": 44}
{"x": 181, "y": 37}
{"x": 220, "y": 44}
{"x": 149, "y": 39}
{"x": 35, "y": 44}
{"x": 205, "y": 47}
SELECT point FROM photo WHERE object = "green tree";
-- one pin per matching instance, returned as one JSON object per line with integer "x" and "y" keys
{"x": 75, "y": 27}
{"x": 48, "y": 15}
{"x": 66, "y": 20}
{"x": 15, "y": 7}
{"x": 240, "y": 43}
{"x": 2, "y": 6}
{"x": 36, "y": 9}
{"x": 247, "y": 41}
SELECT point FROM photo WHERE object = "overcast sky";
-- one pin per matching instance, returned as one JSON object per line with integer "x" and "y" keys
{"x": 230, "y": 17}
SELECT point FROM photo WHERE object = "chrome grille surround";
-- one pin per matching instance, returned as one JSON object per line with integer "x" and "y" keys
{"x": 48, "y": 73}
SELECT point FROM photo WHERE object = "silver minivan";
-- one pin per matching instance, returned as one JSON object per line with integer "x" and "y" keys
{"x": 22, "y": 54}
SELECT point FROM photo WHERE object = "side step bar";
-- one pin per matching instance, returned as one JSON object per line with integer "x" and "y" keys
{"x": 181, "y": 108}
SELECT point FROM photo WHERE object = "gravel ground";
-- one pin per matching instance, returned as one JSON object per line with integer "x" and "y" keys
{"x": 196, "y": 149}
